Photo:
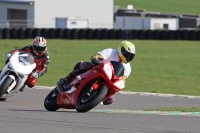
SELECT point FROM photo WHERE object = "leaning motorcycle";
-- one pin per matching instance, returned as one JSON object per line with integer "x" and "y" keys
{"x": 87, "y": 90}
{"x": 15, "y": 74}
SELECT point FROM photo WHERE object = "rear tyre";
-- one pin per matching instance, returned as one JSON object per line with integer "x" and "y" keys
{"x": 5, "y": 85}
{"x": 50, "y": 102}
{"x": 86, "y": 103}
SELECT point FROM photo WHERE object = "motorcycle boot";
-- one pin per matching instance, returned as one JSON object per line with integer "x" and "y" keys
{"x": 67, "y": 80}
{"x": 109, "y": 100}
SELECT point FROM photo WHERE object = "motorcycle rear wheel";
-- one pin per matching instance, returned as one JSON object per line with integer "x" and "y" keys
{"x": 5, "y": 85}
{"x": 50, "y": 102}
{"x": 86, "y": 105}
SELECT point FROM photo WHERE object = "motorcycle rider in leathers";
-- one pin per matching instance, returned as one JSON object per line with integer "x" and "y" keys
{"x": 41, "y": 57}
{"x": 125, "y": 53}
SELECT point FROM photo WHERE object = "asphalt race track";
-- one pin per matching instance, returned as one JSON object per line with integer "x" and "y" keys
{"x": 24, "y": 113}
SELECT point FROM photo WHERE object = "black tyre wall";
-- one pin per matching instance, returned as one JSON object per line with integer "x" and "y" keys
{"x": 28, "y": 33}
{"x": 97, "y": 34}
{"x": 106, "y": 34}
{"x": 194, "y": 35}
{"x": 178, "y": 35}
{"x": 157, "y": 34}
{"x": 13, "y": 33}
{"x": 149, "y": 35}
{"x": 44, "y": 33}
{"x": 20, "y": 33}
{"x": 36, "y": 32}
{"x": 198, "y": 35}
{"x": 59, "y": 33}
{"x": 143, "y": 34}
{"x": 185, "y": 35}
{"x": 1, "y": 33}
{"x": 171, "y": 35}
{"x": 51, "y": 33}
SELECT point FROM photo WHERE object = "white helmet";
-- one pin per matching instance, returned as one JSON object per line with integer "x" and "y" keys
{"x": 39, "y": 45}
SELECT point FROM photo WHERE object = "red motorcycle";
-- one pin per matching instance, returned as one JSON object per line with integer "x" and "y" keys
{"x": 87, "y": 90}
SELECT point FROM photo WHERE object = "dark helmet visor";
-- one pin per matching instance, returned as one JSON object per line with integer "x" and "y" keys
{"x": 39, "y": 49}
{"x": 129, "y": 56}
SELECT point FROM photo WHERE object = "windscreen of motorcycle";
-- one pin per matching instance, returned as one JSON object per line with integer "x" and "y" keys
{"x": 118, "y": 71}
{"x": 118, "y": 68}
{"x": 22, "y": 62}
{"x": 26, "y": 58}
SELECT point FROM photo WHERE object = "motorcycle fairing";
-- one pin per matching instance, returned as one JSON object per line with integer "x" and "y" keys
{"x": 69, "y": 99}
{"x": 108, "y": 70}
{"x": 18, "y": 66}
{"x": 119, "y": 84}
{"x": 16, "y": 69}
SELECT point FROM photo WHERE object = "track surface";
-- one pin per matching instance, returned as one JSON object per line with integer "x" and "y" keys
{"x": 24, "y": 113}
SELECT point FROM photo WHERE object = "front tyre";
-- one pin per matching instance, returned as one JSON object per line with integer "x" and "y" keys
{"x": 3, "y": 99}
{"x": 5, "y": 86}
{"x": 86, "y": 103}
{"x": 50, "y": 102}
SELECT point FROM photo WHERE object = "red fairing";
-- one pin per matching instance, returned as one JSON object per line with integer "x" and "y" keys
{"x": 69, "y": 99}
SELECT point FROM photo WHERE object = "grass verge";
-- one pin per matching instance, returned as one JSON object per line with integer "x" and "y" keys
{"x": 159, "y": 66}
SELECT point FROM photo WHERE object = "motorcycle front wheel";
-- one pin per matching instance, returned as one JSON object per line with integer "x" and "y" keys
{"x": 50, "y": 102}
{"x": 87, "y": 102}
{"x": 4, "y": 86}
{"x": 3, "y": 99}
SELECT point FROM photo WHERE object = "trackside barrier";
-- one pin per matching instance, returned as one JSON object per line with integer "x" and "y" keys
{"x": 36, "y": 32}
{"x": 1, "y": 33}
{"x": 99, "y": 34}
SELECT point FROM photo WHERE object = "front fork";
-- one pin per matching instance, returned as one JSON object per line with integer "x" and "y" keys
{"x": 12, "y": 85}
{"x": 93, "y": 87}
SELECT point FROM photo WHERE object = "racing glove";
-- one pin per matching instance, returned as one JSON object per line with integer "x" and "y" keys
{"x": 95, "y": 61}
{"x": 34, "y": 74}
{"x": 124, "y": 78}
{"x": 7, "y": 55}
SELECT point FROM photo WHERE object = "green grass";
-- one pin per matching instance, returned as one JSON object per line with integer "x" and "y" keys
{"x": 159, "y": 66}
{"x": 166, "y": 6}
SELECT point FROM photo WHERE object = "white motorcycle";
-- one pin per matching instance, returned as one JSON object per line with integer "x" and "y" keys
{"x": 14, "y": 75}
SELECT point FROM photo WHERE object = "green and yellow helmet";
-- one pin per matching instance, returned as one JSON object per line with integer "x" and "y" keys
{"x": 126, "y": 51}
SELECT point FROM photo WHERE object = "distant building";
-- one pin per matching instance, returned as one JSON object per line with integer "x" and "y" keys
{"x": 56, "y": 14}
{"x": 139, "y": 23}
{"x": 141, "y": 19}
